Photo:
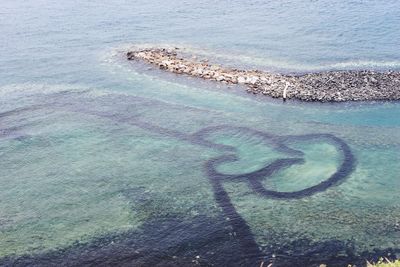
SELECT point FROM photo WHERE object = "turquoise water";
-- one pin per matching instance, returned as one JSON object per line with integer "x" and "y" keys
{"x": 106, "y": 162}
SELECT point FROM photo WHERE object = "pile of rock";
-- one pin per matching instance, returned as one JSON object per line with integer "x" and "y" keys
{"x": 323, "y": 86}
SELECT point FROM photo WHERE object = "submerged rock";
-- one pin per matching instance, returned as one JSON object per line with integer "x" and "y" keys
{"x": 323, "y": 86}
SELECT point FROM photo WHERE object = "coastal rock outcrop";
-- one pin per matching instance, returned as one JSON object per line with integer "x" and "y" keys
{"x": 320, "y": 86}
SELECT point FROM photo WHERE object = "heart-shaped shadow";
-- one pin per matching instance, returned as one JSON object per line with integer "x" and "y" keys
{"x": 254, "y": 178}
{"x": 281, "y": 145}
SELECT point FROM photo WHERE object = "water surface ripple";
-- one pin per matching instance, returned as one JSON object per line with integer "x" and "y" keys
{"x": 104, "y": 162}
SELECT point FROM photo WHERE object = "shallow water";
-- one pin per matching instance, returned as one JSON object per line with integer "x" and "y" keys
{"x": 107, "y": 162}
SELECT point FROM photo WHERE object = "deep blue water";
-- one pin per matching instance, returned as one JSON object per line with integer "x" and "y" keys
{"x": 97, "y": 151}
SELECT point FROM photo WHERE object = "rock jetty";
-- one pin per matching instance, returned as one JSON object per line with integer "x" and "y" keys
{"x": 332, "y": 86}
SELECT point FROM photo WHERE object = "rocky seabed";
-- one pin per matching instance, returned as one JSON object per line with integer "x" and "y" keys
{"x": 329, "y": 86}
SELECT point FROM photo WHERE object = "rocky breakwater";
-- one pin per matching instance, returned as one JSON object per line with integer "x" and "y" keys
{"x": 320, "y": 86}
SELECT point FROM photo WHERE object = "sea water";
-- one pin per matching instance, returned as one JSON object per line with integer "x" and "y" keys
{"x": 107, "y": 161}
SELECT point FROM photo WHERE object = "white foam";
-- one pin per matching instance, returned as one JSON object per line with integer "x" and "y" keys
{"x": 365, "y": 64}
{"x": 240, "y": 57}
{"x": 25, "y": 90}
{"x": 14, "y": 96}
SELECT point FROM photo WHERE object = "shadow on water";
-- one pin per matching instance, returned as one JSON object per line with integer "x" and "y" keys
{"x": 177, "y": 242}
{"x": 220, "y": 242}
